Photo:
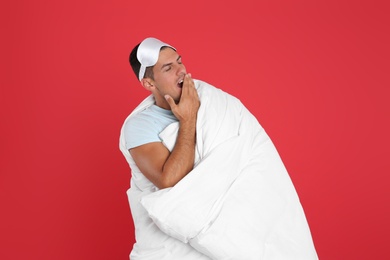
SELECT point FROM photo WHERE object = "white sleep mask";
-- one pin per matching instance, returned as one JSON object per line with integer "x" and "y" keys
{"x": 148, "y": 52}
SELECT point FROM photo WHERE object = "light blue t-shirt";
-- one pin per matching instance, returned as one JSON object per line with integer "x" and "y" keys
{"x": 145, "y": 126}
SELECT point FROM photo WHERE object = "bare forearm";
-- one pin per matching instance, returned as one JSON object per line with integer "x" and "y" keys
{"x": 181, "y": 159}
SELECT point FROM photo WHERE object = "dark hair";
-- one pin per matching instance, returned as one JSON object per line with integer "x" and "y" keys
{"x": 136, "y": 65}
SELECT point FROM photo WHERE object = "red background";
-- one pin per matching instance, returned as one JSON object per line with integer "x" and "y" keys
{"x": 315, "y": 74}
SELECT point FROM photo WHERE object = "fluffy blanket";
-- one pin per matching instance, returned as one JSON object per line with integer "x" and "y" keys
{"x": 239, "y": 201}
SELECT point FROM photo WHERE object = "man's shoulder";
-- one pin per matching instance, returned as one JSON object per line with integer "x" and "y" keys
{"x": 140, "y": 128}
{"x": 141, "y": 116}
{"x": 136, "y": 121}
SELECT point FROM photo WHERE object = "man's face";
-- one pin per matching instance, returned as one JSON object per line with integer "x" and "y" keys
{"x": 168, "y": 73}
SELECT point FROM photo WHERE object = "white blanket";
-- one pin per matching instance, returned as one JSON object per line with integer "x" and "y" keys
{"x": 238, "y": 202}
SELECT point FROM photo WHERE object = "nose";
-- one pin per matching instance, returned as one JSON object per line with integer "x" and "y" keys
{"x": 181, "y": 69}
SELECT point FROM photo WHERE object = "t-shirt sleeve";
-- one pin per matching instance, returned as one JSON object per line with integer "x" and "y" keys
{"x": 139, "y": 131}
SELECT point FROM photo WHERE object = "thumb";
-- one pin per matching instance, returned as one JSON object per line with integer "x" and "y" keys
{"x": 170, "y": 101}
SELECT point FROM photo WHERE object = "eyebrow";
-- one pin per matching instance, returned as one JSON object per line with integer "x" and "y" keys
{"x": 169, "y": 64}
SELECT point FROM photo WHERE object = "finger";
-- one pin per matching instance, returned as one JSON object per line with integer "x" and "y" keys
{"x": 170, "y": 101}
{"x": 184, "y": 90}
{"x": 191, "y": 85}
{"x": 188, "y": 84}
{"x": 189, "y": 79}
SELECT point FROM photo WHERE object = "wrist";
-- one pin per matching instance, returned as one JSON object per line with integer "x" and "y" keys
{"x": 189, "y": 123}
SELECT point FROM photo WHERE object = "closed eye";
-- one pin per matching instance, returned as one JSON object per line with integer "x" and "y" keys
{"x": 168, "y": 66}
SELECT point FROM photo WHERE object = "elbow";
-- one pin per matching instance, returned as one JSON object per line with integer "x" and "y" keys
{"x": 166, "y": 181}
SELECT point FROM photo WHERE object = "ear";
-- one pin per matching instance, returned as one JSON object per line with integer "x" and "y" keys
{"x": 147, "y": 83}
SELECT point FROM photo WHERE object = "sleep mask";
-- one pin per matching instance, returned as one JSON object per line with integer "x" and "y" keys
{"x": 148, "y": 52}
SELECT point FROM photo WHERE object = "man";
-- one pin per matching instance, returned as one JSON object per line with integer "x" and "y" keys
{"x": 232, "y": 197}
{"x": 169, "y": 83}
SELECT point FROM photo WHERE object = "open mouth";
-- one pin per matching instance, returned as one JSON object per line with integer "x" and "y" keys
{"x": 180, "y": 84}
